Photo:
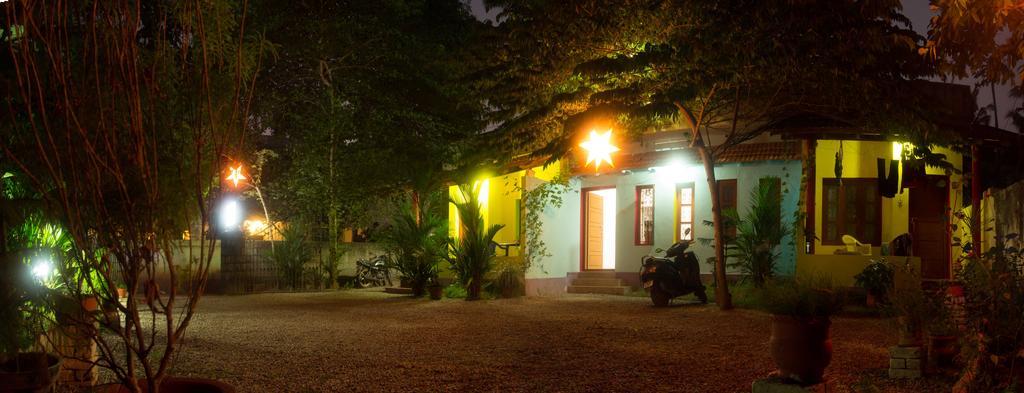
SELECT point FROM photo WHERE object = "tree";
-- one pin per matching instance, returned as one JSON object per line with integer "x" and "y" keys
{"x": 374, "y": 103}
{"x": 121, "y": 116}
{"x": 727, "y": 72}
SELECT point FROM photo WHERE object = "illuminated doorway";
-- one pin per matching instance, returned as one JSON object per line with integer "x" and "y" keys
{"x": 598, "y": 229}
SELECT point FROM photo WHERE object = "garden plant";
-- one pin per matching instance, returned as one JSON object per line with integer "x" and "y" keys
{"x": 471, "y": 254}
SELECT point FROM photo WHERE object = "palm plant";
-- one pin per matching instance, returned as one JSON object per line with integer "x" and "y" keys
{"x": 415, "y": 243}
{"x": 291, "y": 255}
{"x": 472, "y": 253}
{"x": 758, "y": 234}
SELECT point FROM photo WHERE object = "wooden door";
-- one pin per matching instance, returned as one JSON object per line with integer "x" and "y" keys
{"x": 595, "y": 231}
{"x": 929, "y": 226}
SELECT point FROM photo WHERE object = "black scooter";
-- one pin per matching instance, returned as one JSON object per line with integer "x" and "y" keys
{"x": 677, "y": 274}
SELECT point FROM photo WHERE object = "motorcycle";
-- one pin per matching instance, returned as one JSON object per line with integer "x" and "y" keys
{"x": 677, "y": 274}
{"x": 373, "y": 272}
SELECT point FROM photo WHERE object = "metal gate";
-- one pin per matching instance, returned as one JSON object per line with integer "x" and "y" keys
{"x": 247, "y": 267}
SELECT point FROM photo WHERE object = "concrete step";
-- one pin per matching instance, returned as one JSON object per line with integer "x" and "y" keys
{"x": 597, "y": 282}
{"x": 597, "y": 289}
{"x": 398, "y": 290}
{"x": 598, "y": 274}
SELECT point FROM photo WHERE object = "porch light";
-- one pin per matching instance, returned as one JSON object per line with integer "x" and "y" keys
{"x": 675, "y": 172}
{"x": 236, "y": 175}
{"x": 599, "y": 148}
{"x": 898, "y": 148}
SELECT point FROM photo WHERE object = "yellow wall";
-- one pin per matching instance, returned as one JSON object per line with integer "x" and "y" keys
{"x": 859, "y": 160}
{"x": 501, "y": 203}
{"x": 842, "y": 268}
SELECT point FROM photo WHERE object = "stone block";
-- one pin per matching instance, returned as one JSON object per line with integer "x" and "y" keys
{"x": 913, "y": 364}
{"x": 904, "y": 373}
{"x": 775, "y": 384}
{"x": 905, "y": 352}
{"x": 897, "y": 363}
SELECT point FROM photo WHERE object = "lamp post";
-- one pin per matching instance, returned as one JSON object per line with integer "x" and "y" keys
{"x": 235, "y": 177}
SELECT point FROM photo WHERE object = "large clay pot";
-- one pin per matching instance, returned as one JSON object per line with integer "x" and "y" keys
{"x": 943, "y": 349}
{"x": 436, "y": 291}
{"x": 38, "y": 373}
{"x": 418, "y": 289}
{"x": 181, "y": 385}
{"x": 801, "y": 347}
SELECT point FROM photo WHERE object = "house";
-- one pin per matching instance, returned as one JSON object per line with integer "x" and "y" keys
{"x": 610, "y": 217}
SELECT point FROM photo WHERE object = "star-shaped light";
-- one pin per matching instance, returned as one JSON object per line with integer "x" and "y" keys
{"x": 236, "y": 175}
{"x": 599, "y": 148}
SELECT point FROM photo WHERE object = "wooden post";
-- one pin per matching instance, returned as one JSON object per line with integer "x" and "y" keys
{"x": 975, "y": 200}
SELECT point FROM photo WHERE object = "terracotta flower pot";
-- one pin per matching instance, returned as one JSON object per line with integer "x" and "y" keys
{"x": 38, "y": 373}
{"x": 181, "y": 385}
{"x": 801, "y": 347}
{"x": 435, "y": 291}
{"x": 90, "y": 303}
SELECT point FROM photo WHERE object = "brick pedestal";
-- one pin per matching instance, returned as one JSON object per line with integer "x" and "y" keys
{"x": 76, "y": 347}
{"x": 905, "y": 362}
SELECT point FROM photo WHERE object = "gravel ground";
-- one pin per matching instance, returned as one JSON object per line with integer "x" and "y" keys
{"x": 365, "y": 340}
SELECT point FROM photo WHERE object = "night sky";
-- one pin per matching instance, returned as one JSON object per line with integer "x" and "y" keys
{"x": 919, "y": 14}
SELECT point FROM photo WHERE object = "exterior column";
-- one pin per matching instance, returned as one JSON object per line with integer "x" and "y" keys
{"x": 975, "y": 200}
{"x": 810, "y": 183}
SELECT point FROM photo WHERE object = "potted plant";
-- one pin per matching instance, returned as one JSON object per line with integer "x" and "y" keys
{"x": 23, "y": 366}
{"x": 801, "y": 318}
{"x": 435, "y": 289}
{"x": 415, "y": 242}
{"x": 943, "y": 342}
{"x": 471, "y": 254}
{"x": 509, "y": 282}
{"x": 877, "y": 281}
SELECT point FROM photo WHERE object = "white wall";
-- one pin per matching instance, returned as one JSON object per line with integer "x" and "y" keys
{"x": 628, "y": 254}
{"x": 561, "y": 233}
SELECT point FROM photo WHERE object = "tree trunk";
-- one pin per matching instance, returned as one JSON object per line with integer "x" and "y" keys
{"x": 722, "y": 296}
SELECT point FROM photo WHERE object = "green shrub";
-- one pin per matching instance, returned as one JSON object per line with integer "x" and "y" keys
{"x": 994, "y": 289}
{"x": 809, "y": 297}
{"x": 472, "y": 255}
{"x": 416, "y": 245}
{"x": 754, "y": 250}
{"x": 509, "y": 282}
{"x": 455, "y": 291}
{"x": 291, "y": 254}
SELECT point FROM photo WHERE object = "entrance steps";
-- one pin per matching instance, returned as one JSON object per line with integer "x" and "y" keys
{"x": 599, "y": 282}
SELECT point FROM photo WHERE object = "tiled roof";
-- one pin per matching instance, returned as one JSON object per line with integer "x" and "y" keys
{"x": 770, "y": 151}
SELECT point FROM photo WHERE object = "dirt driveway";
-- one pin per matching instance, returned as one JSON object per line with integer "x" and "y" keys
{"x": 365, "y": 340}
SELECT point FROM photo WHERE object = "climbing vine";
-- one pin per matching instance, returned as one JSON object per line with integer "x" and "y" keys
{"x": 547, "y": 194}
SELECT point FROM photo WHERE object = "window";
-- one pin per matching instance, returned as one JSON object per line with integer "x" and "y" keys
{"x": 851, "y": 208}
{"x": 644, "y": 224}
{"x": 684, "y": 213}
